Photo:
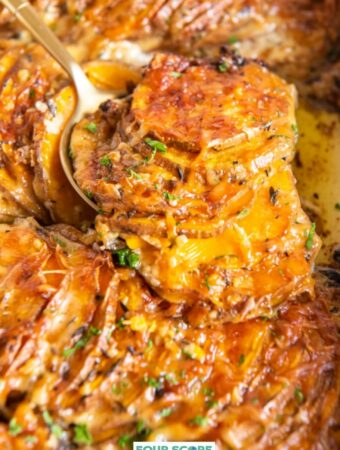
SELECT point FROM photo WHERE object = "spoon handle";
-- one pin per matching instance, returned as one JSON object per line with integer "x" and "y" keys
{"x": 27, "y": 15}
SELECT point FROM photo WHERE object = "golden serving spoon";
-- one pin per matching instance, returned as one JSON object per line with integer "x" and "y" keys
{"x": 89, "y": 97}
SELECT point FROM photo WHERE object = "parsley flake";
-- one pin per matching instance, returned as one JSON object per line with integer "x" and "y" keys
{"x": 233, "y": 40}
{"x": 126, "y": 257}
{"x": 82, "y": 434}
{"x": 82, "y": 342}
{"x": 295, "y": 129}
{"x": 165, "y": 412}
{"x": 30, "y": 439}
{"x": 212, "y": 403}
{"x": 105, "y": 161}
{"x": 206, "y": 282}
{"x": 89, "y": 194}
{"x": 77, "y": 17}
{"x": 310, "y": 237}
{"x": 298, "y": 395}
{"x": 176, "y": 74}
{"x": 134, "y": 174}
{"x": 199, "y": 421}
{"x": 56, "y": 430}
{"x": 157, "y": 146}
{"x": 243, "y": 213}
{"x": 209, "y": 392}
{"x": 170, "y": 197}
{"x": 120, "y": 323}
{"x": 223, "y": 67}
{"x": 124, "y": 440}
{"x": 153, "y": 382}
{"x": 91, "y": 127}
{"x": 14, "y": 427}
{"x": 241, "y": 360}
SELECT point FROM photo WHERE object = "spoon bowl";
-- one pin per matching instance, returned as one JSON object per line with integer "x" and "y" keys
{"x": 88, "y": 96}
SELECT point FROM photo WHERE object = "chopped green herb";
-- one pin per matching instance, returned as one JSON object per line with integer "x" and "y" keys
{"x": 94, "y": 331}
{"x": 124, "y": 440}
{"x": 68, "y": 352}
{"x": 119, "y": 387}
{"x": 170, "y": 197}
{"x": 170, "y": 379}
{"x": 295, "y": 129}
{"x": 209, "y": 392}
{"x": 182, "y": 373}
{"x": 150, "y": 343}
{"x": 69, "y": 153}
{"x": 153, "y": 382}
{"x": 31, "y": 93}
{"x": 126, "y": 257}
{"x": 89, "y": 194}
{"x": 120, "y": 323}
{"x": 91, "y": 127}
{"x": 212, "y": 403}
{"x": 61, "y": 243}
{"x": 140, "y": 426}
{"x": 243, "y": 213}
{"x": 310, "y": 237}
{"x": 232, "y": 40}
{"x": 134, "y": 174}
{"x": 77, "y": 17}
{"x": 31, "y": 439}
{"x": 14, "y": 427}
{"x": 241, "y": 360}
{"x": 337, "y": 206}
{"x": 47, "y": 418}
{"x": 105, "y": 161}
{"x": 82, "y": 434}
{"x": 264, "y": 318}
{"x": 254, "y": 401}
{"x": 206, "y": 282}
{"x": 157, "y": 146}
{"x": 165, "y": 412}
{"x": 176, "y": 74}
{"x": 223, "y": 67}
{"x": 199, "y": 421}
{"x": 56, "y": 430}
{"x": 298, "y": 395}
{"x": 187, "y": 354}
{"x": 82, "y": 342}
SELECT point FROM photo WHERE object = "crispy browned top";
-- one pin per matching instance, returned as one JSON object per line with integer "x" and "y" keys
{"x": 90, "y": 356}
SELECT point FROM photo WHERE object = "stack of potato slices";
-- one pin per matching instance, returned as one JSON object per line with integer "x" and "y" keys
{"x": 36, "y": 101}
{"x": 195, "y": 170}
